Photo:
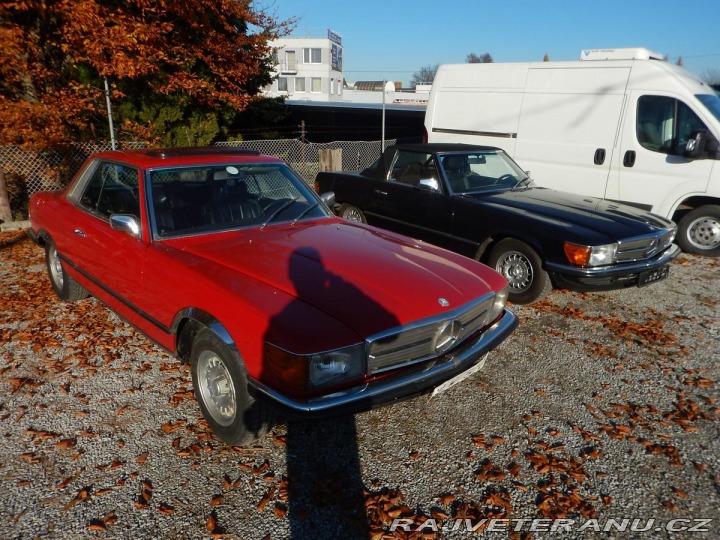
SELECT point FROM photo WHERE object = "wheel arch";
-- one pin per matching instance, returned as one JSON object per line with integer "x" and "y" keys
{"x": 486, "y": 246}
{"x": 186, "y": 325}
{"x": 691, "y": 203}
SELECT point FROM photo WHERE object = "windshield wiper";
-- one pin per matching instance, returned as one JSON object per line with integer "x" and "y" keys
{"x": 308, "y": 209}
{"x": 520, "y": 182}
{"x": 276, "y": 212}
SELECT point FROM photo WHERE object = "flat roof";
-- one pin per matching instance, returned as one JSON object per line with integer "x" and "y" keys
{"x": 349, "y": 105}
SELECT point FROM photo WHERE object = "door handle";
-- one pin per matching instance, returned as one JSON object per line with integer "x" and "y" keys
{"x": 79, "y": 232}
{"x": 629, "y": 158}
{"x": 599, "y": 156}
{"x": 379, "y": 192}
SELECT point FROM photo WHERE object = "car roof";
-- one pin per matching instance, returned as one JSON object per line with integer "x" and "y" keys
{"x": 170, "y": 157}
{"x": 443, "y": 147}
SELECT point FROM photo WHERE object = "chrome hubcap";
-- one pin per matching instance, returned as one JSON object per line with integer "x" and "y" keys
{"x": 216, "y": 388}
{"x": 517, "y": 269}
{"x": 353, "y": 214}
{"x": 704, "y": 233}
{"x": 56, "y": 269}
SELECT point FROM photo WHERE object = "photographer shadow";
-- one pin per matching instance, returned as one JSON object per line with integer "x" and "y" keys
{"x": 326, "y": 490}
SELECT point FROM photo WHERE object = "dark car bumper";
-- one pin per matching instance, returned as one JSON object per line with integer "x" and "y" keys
{"x": 605, "y": 278}
{"x": 399, "y": 386}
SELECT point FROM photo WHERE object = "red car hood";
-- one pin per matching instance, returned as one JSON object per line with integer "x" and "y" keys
{"x": 360, "y": 275}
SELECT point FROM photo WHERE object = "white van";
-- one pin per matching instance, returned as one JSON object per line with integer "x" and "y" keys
{"x": 620, "y": 124}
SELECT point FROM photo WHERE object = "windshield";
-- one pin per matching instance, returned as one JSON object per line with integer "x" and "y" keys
{"x": 712, "y": 103}
{"x": 210, "y": 198}
{"x": 477, "y": 171}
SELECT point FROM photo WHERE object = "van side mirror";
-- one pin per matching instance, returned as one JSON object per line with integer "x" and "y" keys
{"x": 701, "y": 144}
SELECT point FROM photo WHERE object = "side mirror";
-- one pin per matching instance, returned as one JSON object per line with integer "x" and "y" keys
{"x": 701, "y": 144}
{"x": 430, "y": 184}
{"x": 328, "y": 198}
{"x": 125, "y": 223}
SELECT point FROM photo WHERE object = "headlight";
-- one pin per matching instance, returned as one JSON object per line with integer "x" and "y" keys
{"x": 498, "y": 304}
{"x": 590, "y": 255}
{"x": 306, "y": 373}
{"x": 337, "y": 366}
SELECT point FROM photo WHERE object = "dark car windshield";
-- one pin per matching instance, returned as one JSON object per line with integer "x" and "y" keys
{"x": 477, "y": 171}
{"x": 209, "y": 198}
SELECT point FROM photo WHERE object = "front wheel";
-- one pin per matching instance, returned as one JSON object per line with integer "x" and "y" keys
{"x": 699, "y": 231}
{"x": 522, "y": 267}
{"x": 62, "y": 283}
{"x": 352, "y": 213}
{"x": 221, "y": 388}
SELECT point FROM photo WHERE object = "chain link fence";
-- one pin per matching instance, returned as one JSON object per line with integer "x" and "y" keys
{"x": 28, "y": 171}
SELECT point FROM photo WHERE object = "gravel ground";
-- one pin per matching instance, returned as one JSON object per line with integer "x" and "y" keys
{"x": 600, "y": 406}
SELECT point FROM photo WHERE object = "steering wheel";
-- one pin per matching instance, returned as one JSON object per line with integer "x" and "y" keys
{"x": 505, "y": 177}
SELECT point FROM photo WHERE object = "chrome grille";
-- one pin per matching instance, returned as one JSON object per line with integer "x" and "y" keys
{"x": 417, "y": 341}
{"x": 637, "y": 249}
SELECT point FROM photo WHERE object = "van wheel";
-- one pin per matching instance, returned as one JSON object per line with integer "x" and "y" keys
{"x": 65, "y": 287}
{"x": 699, "y": 231}
{"x": 522, "y": 267}
{"x": 352, "y": 213}
{"x": 221, "y": 388}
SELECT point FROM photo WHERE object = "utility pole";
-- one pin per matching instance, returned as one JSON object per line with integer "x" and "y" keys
{"x": 110, "y": 118}
{"x": 382, "y": 135}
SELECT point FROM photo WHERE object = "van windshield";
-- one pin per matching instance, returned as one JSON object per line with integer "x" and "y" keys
{"x": 712, "y": 103}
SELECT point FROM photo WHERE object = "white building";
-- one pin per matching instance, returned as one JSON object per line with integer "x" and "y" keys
{"x": 311, "y": 69}
{"x": 308, "y": 69}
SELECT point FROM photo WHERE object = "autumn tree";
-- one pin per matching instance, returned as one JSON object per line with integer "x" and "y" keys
{"x": 179, "y": 71}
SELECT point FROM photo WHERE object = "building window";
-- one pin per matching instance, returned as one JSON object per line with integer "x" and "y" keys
{"x": 290, "y": 61}
{"x": 312, "y": 56}
{"x": 332, "y": 86}
{"x": 282, "y": 84}
{"x": 299, "y": 84}
{"x": 316, "y": 84}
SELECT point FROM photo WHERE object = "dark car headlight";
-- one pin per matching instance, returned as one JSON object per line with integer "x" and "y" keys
{"x": 590, "y": 255}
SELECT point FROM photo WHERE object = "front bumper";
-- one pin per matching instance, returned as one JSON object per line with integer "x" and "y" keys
{"x": 603, "y": 278}
{"x": 406, "y": 383}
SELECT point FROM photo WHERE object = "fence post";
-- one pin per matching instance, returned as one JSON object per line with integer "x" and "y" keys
{"x": 5, "y": 212}
{"x": 330, "y": 159}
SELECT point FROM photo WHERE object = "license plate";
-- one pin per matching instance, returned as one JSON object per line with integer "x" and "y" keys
{"x": 460, "y": 377}
{"x": 651, "y": 276}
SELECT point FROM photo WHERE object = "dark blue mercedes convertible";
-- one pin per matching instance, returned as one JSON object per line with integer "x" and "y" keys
{"x": 475, "y": 200}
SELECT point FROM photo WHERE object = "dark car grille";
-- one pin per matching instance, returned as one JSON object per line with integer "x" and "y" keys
{"x": 646, "y": 247}
{"x": 428, "y": 338}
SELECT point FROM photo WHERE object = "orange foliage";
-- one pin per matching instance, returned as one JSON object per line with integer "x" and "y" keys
{"x": 53, "y": 56}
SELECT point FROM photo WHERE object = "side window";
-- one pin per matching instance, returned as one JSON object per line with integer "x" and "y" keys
{"x": 112, "y": 189}
{"x": 410, "y": 167}
{"x": 664, "y": 124}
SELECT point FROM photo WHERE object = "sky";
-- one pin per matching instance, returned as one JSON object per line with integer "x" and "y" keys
{"x": 394, "y": 39}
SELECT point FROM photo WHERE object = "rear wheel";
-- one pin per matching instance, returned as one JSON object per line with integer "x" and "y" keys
{"x": 352, "y": 213}
{"x": 522, "y": 267}
{"x": 699, "y": 231}
{"x": 63, "y": 284}
{"x": 221, "y": 388}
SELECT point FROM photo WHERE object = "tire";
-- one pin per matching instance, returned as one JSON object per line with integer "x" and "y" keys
{"x": 65, "y": 287}
{"x": 221, "y": 388}
{"x": 522, "y": 267}
{"x": 699, "y": 231}
{"x": 352, "y": 213}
